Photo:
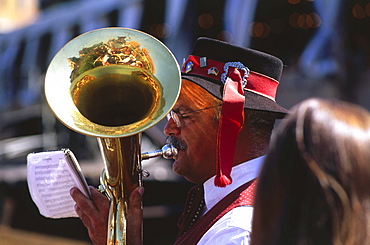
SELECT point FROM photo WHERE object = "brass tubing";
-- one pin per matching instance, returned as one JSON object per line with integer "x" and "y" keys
{"x": 121, "y": 157}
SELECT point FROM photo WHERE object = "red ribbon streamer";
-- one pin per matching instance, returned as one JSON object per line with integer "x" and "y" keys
{"x": 231, "y": 121}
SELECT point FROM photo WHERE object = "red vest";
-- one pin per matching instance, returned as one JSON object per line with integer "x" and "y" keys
{"x": 242, "y": 196}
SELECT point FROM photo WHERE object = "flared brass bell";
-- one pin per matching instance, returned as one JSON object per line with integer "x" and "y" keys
{"x": 137, "y": 96}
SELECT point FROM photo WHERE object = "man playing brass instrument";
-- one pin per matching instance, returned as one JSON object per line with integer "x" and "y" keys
{"x": 221, "y": 125}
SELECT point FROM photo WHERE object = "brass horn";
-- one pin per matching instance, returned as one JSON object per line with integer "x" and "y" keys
{"x": 112, "y": 84}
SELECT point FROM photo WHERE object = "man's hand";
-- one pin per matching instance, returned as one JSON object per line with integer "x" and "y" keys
{"x": 135, "y": 217}
{"x": 94, "y": 215}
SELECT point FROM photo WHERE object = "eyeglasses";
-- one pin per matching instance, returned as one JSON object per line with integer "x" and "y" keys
{"x": 175, "y": 116}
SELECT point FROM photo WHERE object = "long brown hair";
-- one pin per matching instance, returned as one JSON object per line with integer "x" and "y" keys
{"x": 314, "y": 187}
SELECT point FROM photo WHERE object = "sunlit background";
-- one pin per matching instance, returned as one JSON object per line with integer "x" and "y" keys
{"x": 324, "y": 45}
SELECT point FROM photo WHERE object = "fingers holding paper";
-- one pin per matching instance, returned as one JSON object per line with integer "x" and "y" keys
{"x": 93, "y": 213}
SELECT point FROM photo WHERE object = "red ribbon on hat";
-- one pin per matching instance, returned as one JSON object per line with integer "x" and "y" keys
{"x": 257, "y": 83}
{"x": 231, "y": 121}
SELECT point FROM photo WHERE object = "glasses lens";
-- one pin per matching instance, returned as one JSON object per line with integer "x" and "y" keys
{"x": 174, "y": 117}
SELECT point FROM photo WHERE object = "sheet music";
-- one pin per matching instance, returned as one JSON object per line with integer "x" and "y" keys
{"x": 50, "y": 176}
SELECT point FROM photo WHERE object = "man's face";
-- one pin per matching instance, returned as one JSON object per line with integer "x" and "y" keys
{"x": 196, "y": 159}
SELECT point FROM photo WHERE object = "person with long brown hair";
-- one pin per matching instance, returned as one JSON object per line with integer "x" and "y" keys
{"x": 314, "y": 186}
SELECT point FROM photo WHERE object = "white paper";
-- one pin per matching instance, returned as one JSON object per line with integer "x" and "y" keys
{"x": 50, "y": 177}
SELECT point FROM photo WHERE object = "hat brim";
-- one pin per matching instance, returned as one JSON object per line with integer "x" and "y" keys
{"x": 253, "y": 100}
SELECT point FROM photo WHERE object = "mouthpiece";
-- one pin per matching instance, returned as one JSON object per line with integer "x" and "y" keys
{"x": 168, "y": 151}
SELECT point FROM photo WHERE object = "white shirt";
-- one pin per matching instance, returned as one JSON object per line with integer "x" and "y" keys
{"x": 235, "y": 226}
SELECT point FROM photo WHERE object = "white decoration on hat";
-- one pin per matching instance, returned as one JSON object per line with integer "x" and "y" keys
{"x": 203, "y": 62}
{"x": 237, "y": 65}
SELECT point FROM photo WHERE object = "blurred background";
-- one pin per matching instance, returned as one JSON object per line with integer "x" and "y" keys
{"x": 324, "y": 45}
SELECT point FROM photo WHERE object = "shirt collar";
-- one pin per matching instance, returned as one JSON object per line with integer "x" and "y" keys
{"x": 241, "y": 173}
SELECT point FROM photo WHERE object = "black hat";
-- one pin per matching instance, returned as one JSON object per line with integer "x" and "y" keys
{"x": 205, "y": 67}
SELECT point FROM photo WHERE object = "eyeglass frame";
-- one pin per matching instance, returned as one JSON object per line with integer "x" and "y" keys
{"x": 175, "y": 115}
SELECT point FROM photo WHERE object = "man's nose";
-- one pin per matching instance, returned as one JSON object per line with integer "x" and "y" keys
{"x": 171, "y": 128}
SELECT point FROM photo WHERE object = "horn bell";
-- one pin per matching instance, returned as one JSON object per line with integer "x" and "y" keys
{"x": 97, "y": 97}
